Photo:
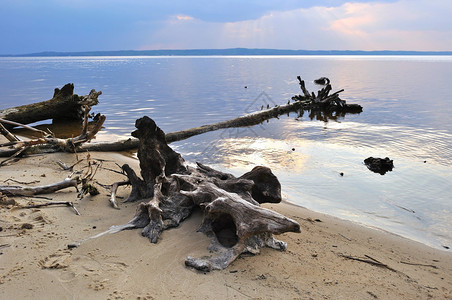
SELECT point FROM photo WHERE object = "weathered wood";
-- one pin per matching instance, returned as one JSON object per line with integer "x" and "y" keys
{"x": 53, "y": 144}
{"x": 114, "y": 189}
{"x": 63, "y": 105}
{"x": 322, "y": 81}
{"x": 66, "y": 203}
{"x": 8, "y": 135}
{"x": 321, "y": 106}
{"x": 323, "y": 101}
{"x": 16, "y": 124}
{"x": 132, "y": 143}
{"x": 37, "y": 190}
{"x": 170, "y": 191}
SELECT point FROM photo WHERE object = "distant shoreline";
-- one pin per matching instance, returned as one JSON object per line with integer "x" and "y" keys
{"x": 227, "y": 52}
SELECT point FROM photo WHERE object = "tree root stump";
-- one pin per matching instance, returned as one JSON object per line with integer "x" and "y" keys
{"x": 324, "y": 101}
{"x": 170, "y": 190}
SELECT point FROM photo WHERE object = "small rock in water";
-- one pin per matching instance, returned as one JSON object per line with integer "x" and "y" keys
{"x": 379, "y": 165}
{"x": 342, "y": 174}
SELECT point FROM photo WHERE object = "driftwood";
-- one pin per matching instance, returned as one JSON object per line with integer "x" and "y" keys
{"x": 49, "y": 143}
{"x": 369, "y": 260}
{"x": 63, "y": 105}
{"x": 322, "y": 81}
{"x": 171, "y": 190}
{"x": 324, "y": 101}
{"x": 66, "y": 203}
{"x": 320, "y": 108}
{"x": 46, "y": 189}
{"x": 9, "y": 136}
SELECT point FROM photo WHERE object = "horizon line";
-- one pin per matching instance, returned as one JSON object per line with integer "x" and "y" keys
{"x": 225, "y": 52}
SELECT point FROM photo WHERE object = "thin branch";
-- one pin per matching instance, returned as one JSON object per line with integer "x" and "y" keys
{"x": 20, "y": 182}
{"x": 114, "y": 188}
{"x": 369, "y": 260}
{"x": 24, "y": 126}
{"x": 67, "y": 203}
{"x": 66, "y": 167}
{"x": 11, "y": 137}
{"x": 345, "y": 237}
{"x": 415, "y": 264}
{"x": 115, "y": 171}
{"x": 39, "y": 197}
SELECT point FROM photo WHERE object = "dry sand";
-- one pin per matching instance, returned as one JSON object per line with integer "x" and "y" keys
{"x": 35, "y": 262}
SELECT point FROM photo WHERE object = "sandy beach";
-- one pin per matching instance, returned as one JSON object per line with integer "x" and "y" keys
{"x": 329, "y": 259}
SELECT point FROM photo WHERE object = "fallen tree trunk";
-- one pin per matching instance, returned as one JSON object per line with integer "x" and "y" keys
{"x": 132, "y": 143}
{"x": 323, "y": 102}
{"x": 63, "y": 105}
{"x": 171, "y": 190}
{"x": 243, "y": 121}
{"x": 321, "y": 107}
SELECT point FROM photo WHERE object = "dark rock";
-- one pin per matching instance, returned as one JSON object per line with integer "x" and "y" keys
{"x": 379, "y": 165}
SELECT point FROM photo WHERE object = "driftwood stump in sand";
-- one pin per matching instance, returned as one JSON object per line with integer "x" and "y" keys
{"x": 171, "y": 190}
{"x": 63, "y": 105}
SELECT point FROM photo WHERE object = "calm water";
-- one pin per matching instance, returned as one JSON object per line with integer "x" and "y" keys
{"x": 407, "y": 108}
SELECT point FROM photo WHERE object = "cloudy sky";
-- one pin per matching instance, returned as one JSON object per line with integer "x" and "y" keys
{"x": 28, "y": 26}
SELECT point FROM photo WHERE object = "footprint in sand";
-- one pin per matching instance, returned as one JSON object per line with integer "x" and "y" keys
{"x": 98, "y": 285}
{"x": 59, "y": 260}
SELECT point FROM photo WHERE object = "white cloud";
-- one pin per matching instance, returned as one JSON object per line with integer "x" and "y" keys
{"x": 184, "y": 18}
{"x": 401, "y": 25}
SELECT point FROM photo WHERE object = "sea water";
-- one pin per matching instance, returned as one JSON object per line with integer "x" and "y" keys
{"x": 407, "y": 103}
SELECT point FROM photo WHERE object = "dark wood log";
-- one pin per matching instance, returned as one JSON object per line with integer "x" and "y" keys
{"x": 171, "y": 190}
{"x": 63, "y": 105}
